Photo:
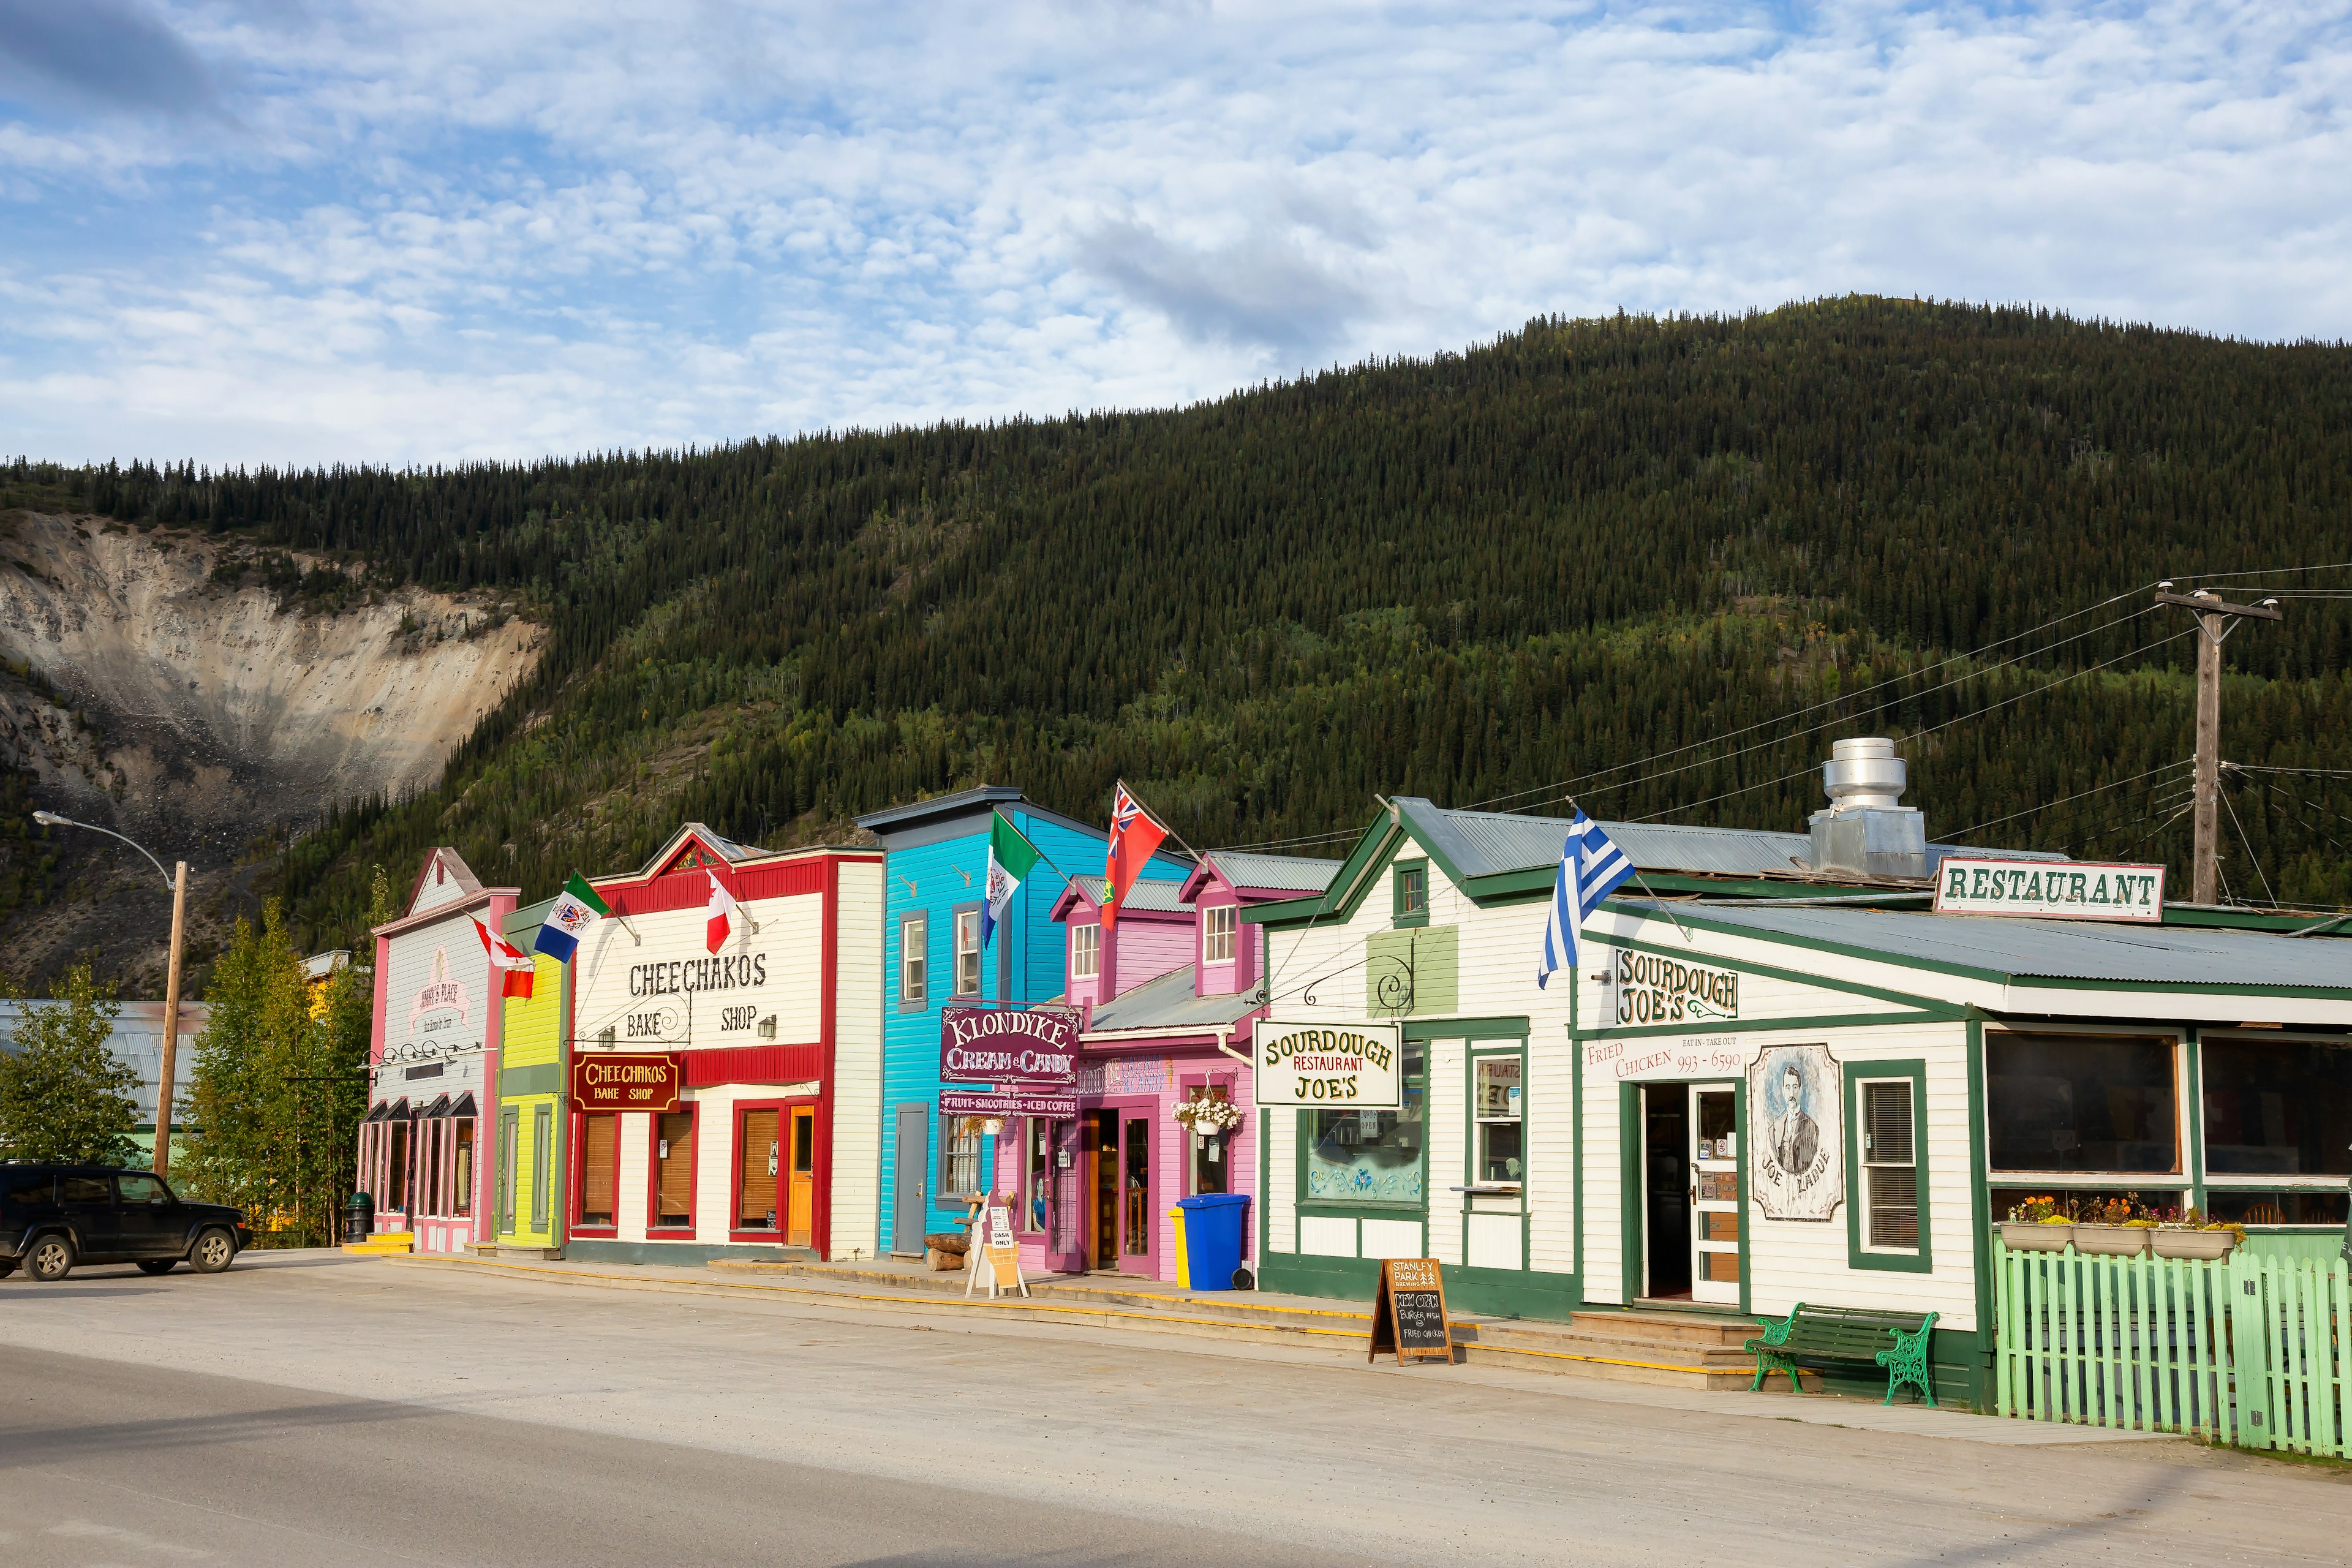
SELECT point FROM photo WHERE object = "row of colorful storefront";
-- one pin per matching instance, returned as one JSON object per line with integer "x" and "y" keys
{"x": 1778, "y": 1073}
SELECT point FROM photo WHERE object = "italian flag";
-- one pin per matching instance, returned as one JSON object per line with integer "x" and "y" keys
{"x": 721, "y": 914}
{"x": 1011, "y": 858}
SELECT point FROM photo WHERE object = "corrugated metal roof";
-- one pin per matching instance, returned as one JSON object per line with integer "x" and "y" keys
{"x": 1484, "y": 843}
{"x": 2061, "y": 950}
{"x": 1296, "y": 873}
{"x": 1146, "y": 894}
{"x": 1168, "y": 1003}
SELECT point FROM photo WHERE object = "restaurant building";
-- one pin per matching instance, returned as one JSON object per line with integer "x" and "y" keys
{"x": 934, "y": 1162}
{"x": 433, "y": 1060}
{"x": 1784, "y": 1078}
{"x": 723, "y": 1094}
{"x": 1167, "y": 995}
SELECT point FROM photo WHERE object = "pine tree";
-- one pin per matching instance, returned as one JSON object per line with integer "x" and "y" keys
{"x": 65, "y": 1097}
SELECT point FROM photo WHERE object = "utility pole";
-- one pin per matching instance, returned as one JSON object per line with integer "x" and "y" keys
{"x": 2216, "y": 619}
{"x": 171, "y": 1021}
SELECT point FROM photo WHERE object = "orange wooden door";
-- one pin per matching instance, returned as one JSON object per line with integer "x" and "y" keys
{"x": 801, "y": 1201}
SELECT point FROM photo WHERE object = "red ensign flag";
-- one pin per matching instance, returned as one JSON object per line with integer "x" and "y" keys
{"x": 1135, "y": 838}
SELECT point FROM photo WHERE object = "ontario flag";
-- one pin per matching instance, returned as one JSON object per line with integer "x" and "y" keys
{"x": 721, "y": 914}
{"x": 1135, "y": 838}
{"x": 517, "y": 968}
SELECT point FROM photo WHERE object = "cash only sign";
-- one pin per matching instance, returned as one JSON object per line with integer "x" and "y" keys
{"x": 1348, "y": 1066}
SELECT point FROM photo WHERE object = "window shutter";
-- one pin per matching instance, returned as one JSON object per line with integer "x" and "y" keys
{"x": 598, "y": 1151}
{"x": 755, "y": 1205}
{"x": 1892, "y": 1160}
{"x": 674, "y": 1132}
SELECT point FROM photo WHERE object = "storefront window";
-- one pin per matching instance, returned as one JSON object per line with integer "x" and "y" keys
{"x": 461, "y": 1168}
{"x": 2252, "y": 1205}
{"x": 2071, "y": 1200}
{"x": 600, "y": 1143}
{"x": 960, "y": 1137}
{"x": 2081, "y": 1102}
{"x": 1036, "y": 1172}
{"x": 1890, "y": 1165}
{"x": 755, "y": 1179}
{"x": 1138, "y": 1187}
{"x": 1501, "y": 1119}
{"x": 396, "y": 1169}
{"x": 435, "y": 1202}
{"x": 2278, "y": 1108}
{"x": 1371, "y": 1156}
{"x": 674, "y": 1171}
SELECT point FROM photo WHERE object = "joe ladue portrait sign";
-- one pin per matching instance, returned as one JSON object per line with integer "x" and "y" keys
{"x": 1795, "y": 1139}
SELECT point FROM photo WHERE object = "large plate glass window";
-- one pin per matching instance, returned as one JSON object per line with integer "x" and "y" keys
{"x": 1500, "y": 1108}
{"x": 960, "y": 1147}
{"x": 1890, "y": 1165}
{"x": 1373, "y": 1156}
{"x": 2278, "y": 1130}
{"x": 2090, "y": 1103}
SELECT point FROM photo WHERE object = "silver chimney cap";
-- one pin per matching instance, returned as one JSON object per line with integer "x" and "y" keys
{"x": 1864, "y": 772}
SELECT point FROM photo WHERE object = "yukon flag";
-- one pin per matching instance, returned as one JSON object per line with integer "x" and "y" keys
{"x": 518, "y": 967}
{"x": 722, "y": 914}
{"x": 1011, "y": 858}
{"x": 568, "y": 919}
{"x": 1591, "y": 867}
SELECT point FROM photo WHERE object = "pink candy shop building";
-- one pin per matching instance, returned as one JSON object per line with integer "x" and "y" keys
{"x": 1167, "y": 996}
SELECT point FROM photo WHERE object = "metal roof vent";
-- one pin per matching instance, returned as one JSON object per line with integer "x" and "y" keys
{"x": 1864, "y": 832}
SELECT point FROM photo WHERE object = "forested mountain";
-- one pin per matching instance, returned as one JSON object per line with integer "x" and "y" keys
{"x": 1715, "y": 541}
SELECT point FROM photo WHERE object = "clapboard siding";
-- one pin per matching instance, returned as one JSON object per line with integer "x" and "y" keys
{"x": 1449, "y": 1154}
{"x": 858, "y": 1060}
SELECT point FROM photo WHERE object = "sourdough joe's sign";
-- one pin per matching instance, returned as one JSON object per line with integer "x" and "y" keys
{"x": 1349, "y": 1066}
{"x": 624, "y": 1081}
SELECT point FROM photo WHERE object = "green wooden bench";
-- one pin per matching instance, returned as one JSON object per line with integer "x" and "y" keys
{"x": 1847, "y": 1336}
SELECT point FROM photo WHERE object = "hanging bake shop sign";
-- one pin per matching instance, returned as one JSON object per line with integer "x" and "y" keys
{"x": 618, "y": 1080}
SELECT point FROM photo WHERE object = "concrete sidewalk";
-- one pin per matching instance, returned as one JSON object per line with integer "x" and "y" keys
{"x": 1312, "y": 1327}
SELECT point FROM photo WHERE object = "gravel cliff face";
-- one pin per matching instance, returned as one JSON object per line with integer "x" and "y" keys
{"x": 202, "y": 717}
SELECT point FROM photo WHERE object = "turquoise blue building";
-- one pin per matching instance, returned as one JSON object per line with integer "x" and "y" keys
{"x": 937, "y": 865}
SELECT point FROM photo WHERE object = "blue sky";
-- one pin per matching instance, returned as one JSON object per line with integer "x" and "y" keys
{"x": 297, "y": 231}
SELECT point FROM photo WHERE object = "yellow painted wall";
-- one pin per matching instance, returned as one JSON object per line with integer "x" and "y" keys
{"x": 533, "y": 1027}
{"x": 533, "y": 1039}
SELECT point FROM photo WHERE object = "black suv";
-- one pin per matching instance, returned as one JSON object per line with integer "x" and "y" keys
{"x": 53, "y": 1216}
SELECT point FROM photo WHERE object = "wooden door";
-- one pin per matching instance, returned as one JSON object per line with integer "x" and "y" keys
{"x": 800, "y": 1202}
{"x": 1715, "y": 1218}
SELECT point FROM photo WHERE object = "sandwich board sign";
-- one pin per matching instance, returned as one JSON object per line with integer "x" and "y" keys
{"x": 1409, "y": 1314}
{"x": 995, "y": 1253}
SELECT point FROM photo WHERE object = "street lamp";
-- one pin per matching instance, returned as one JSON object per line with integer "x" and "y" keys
{"x": 177, "y": 881}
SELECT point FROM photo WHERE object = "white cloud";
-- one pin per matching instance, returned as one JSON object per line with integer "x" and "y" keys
{"x": 445, "y": 231}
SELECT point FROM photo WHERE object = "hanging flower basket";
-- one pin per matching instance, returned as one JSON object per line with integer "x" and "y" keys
{"x": 1208, "y": 1116}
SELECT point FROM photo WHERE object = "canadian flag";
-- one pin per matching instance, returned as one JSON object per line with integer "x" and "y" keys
{"x": 722, "y": 914}
{"x": 517, "y": 967}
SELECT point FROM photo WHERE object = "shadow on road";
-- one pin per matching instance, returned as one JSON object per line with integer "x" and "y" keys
{"x": 23, "y": 1445}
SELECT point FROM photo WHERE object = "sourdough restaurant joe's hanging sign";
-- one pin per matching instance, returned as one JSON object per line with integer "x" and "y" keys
{"x": 614, "y": 1081}
{"x": 1033, "y": 1048}
{"x": 2049, "y": 889}
{"x": 1349, "y": 1065}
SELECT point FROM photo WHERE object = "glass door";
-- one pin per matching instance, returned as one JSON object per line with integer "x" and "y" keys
{"x": 1715, "y": 1214}
{"x": 1136, "y": 1229}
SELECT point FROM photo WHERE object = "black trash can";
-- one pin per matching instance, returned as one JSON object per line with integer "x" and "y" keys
{"x": 359, "y": 1218}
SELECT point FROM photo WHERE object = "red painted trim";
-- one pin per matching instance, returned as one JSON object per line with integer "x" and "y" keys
{"x": 708, "y": 1067}
{"x": 782, "y": 1108}
{"x": 655, "y": 1229}
{"x": 578, "y": 1164}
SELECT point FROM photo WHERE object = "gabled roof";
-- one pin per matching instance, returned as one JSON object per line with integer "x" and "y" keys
{"x": 693, "y": 833}
{"x": 2006, "y": 948}
{"x": 1168, "y": 1003}
{"x": 1145, "y": 898}
{"x": 1246, "y": 872}
{"x": 453, "y": 866}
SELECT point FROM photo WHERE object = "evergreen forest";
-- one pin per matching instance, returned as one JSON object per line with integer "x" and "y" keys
{"x": 1655, "y": 565}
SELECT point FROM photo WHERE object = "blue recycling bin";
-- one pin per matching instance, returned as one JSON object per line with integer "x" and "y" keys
{"x": 1213, "y": 1238}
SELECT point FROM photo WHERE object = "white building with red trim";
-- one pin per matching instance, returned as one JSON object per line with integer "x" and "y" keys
{"x": 760, "y": 1062}
{"x": 433, "y": 1061}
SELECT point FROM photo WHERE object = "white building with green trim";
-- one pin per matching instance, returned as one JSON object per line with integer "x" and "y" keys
{"x": 1764, "y": 1088}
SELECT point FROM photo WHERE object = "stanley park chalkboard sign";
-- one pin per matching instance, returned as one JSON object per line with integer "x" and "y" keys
{"x": 1409, "y": 1313}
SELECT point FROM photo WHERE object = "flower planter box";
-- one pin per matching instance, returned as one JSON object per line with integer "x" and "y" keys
{"x": 2207, "y": 1243}
{"x": 2111, "y": 1240}
{"x": 2026, "y": 1235}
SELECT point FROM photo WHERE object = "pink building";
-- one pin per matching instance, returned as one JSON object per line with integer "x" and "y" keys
{"x": 1168, "y": 995}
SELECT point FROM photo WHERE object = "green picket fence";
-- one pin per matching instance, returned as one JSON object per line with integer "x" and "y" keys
{"x": 2247, "y": 1350}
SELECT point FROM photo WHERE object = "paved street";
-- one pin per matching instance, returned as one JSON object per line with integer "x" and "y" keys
{"x": 311, "y": 1408}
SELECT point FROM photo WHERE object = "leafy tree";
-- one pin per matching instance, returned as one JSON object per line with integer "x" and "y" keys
{"x": 65, "y": 1097}
{"x": 274, "y": 1103}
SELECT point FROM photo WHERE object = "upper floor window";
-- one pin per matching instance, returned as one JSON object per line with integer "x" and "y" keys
{"x": 1086, "y": 951}
{"x": 967, "y": 952}
{"x": 1411, "y": 894}
{"x": 914, "y": 943}
{"x": 1220, "y": 939}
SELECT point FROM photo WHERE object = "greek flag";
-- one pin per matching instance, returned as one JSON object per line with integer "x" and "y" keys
{"x": 1591, "y": 867}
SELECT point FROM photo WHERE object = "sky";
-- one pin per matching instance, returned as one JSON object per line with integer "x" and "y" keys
{"x": 300, "y": 232}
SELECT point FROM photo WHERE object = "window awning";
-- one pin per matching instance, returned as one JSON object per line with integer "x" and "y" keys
{"x": 439, "y": 1108}
{"x": 465, "y": 1106}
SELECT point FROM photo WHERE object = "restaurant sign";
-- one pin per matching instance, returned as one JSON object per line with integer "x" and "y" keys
{"x": 2049, "y": 889}
{"x": 612, "y": 1080}
{"x": 1036, "y": 1049}
{"x": 1355, "y": 1066}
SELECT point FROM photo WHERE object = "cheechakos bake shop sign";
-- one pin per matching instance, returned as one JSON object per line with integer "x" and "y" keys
{"x": 1353, "y": 1066}
{"x": 614, "y": 1081}
{"x": 2049, "y": 889}
{"x": 1032, "y": 1047}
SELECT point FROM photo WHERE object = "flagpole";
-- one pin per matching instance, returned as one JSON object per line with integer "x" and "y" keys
{"x": 1155, "y": 817}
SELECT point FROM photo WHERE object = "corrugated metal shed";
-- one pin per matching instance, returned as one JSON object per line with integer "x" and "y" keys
{"x": 1144, "y": 895}
{"x": 2060, "y": 950}
{"x": 1484, "y": 843}
{"x": 1168, "y": 1003}
{"x": 1295, "y": 873}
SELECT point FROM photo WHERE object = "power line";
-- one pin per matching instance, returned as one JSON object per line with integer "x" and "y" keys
{"x": 2268, "y": 891}
{"x": 2095, "y": 789}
